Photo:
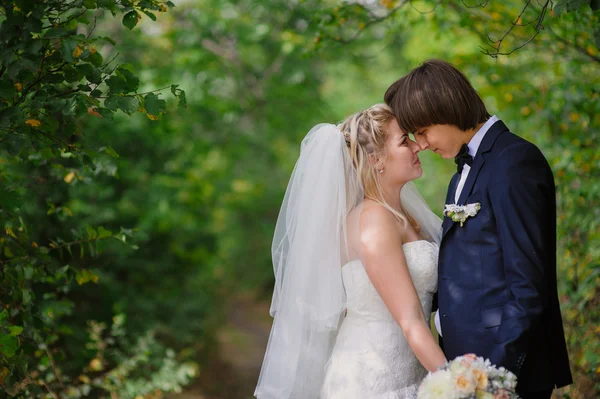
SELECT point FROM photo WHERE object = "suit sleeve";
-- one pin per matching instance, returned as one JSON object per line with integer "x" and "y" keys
{"x": 523, "y": 202}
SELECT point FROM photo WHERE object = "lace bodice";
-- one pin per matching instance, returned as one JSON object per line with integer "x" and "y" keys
{"x": 371, "y": 358}
{"x": 364, "y": 301}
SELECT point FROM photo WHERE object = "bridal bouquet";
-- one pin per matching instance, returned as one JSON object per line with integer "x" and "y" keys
{"x": 469, "y": 377}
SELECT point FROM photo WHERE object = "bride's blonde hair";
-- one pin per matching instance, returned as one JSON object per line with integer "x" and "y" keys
{"x": 365, "y": 134}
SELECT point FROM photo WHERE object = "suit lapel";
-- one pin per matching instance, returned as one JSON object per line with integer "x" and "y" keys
{"x": 447, "y": 223}
{"x": 485, "y": 147}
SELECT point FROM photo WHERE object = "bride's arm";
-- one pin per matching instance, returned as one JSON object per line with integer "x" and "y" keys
{"x": 382, "y": 254}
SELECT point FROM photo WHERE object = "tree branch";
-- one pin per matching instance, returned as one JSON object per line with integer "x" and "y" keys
{"x": 575, "y": 46}
{"x": 538, "y": 27}
{"x": 374, "y": 21}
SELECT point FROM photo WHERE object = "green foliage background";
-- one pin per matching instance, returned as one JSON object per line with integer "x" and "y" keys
{"x": 132, "y": 217}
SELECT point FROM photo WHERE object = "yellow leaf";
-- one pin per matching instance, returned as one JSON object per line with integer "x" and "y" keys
{"x": 163, "y": 8}
{"x": 34, "y": 244}
{"x": 77, "y": 52}
{"x": 33, "y": 122}
{"x": 69, "y": 178}
{"x": 591, "y": 50}
{"x": 525, "y": 111}
{"x": 18, "y": 86}
{"x": 9, "y": 232}
{"x": 84, "y": 378}
{"x": 389, "y": 4}
{"x": 508, "y": 97}
{"x": 96, "y": 365}
{"x": 93, "y": 50}
{"x": 92, "y": 111}
{"x": 574, "y": 116}
{"x": 241, "y": 186}
{"x": 496, "y": 16}
{"x": 152, "y": 117}
{"x": 3, "y": 374}
{"x": 68, "y": 211}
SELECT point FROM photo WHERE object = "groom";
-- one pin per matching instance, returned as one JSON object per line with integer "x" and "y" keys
{"x": 497, "y": 290}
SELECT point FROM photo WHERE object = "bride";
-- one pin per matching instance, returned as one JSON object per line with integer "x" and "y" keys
{"x": 355, "y": 260}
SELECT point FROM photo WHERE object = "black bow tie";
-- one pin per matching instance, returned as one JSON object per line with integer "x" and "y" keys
{"x": 463, "y": 158}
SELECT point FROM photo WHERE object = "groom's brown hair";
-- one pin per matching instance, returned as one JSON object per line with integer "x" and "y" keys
{"x": 435, "y": 93}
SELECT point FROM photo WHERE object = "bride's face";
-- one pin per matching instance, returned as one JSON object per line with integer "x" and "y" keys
{"x": 401, "y": 163}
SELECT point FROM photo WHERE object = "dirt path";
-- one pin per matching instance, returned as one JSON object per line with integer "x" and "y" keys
{"x": 242, "y": 342}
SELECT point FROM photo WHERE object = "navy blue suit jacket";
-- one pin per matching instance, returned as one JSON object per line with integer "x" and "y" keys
{"x": 497, "y": 289}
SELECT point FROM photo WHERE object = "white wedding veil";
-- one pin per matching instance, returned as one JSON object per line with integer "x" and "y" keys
{"x": 309, "y": 249}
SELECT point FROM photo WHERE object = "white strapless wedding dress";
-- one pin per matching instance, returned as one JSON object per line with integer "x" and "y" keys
{"x": 371, "y": 358}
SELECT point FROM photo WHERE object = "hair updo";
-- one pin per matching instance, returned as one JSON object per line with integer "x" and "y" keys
{"x": 365, "y": 134}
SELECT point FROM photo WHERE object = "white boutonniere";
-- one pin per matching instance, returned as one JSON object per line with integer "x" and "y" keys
{"x": 460, "y": 213}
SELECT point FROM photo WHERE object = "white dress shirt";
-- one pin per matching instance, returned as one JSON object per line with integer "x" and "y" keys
{"x": 473, "y": 147}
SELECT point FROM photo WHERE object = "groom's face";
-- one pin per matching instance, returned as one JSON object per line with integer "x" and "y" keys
{"x": 444, "y": 140}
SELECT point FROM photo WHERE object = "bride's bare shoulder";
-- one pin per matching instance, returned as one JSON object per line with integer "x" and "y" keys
{"x": 378, "y": 227}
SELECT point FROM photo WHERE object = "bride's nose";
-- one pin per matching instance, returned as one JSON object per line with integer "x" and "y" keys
{"x": 414, "y": 146}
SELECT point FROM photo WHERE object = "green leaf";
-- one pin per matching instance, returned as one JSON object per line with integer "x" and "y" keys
{"x": 131, "y": 81}
{"x": 170, "y": 4}
{"x": 35, "y": 46}
{"x": 71, "y": 74}
{"x": 9, "y": 200}
{"x": 56, "y": 32}
{"x": 109, "y": 40}
{"x": 110, "y": 5}
{"x": 54, "y": 78}
{"x": 569, "y": 5}
{"x": 7, "y": 115}
{"x": 67, "y": 48}
{"x": 112, "y": 103}
{"x": 7, "y": 89}
{"x": 18, "y": 66}
{"x": 102, "y": 232}
{"x": 128, "y": 104}
{"x": 150, "y": 15}
{"x": 116, "y": 84}
{"x": 85, "y": 276}
{"x": 84, "y": 69}
{"x": 182, "y": 99}
{"x": 95, "y": 59}
{"x": 15, "y": 330}
{"x": 8, "y": 345}
{"x": 153, "y": 104}
{"x": 91, "y": 232}
{"x": 131, "y": 19}
{"x": 33, "y": 25}
{"x": 3, "y": 317}
{"x": 89, "y": 4}
{"x": 26, "y": 295}
{"x": 95, "y": 77}
{"x": 110, "y": 151}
